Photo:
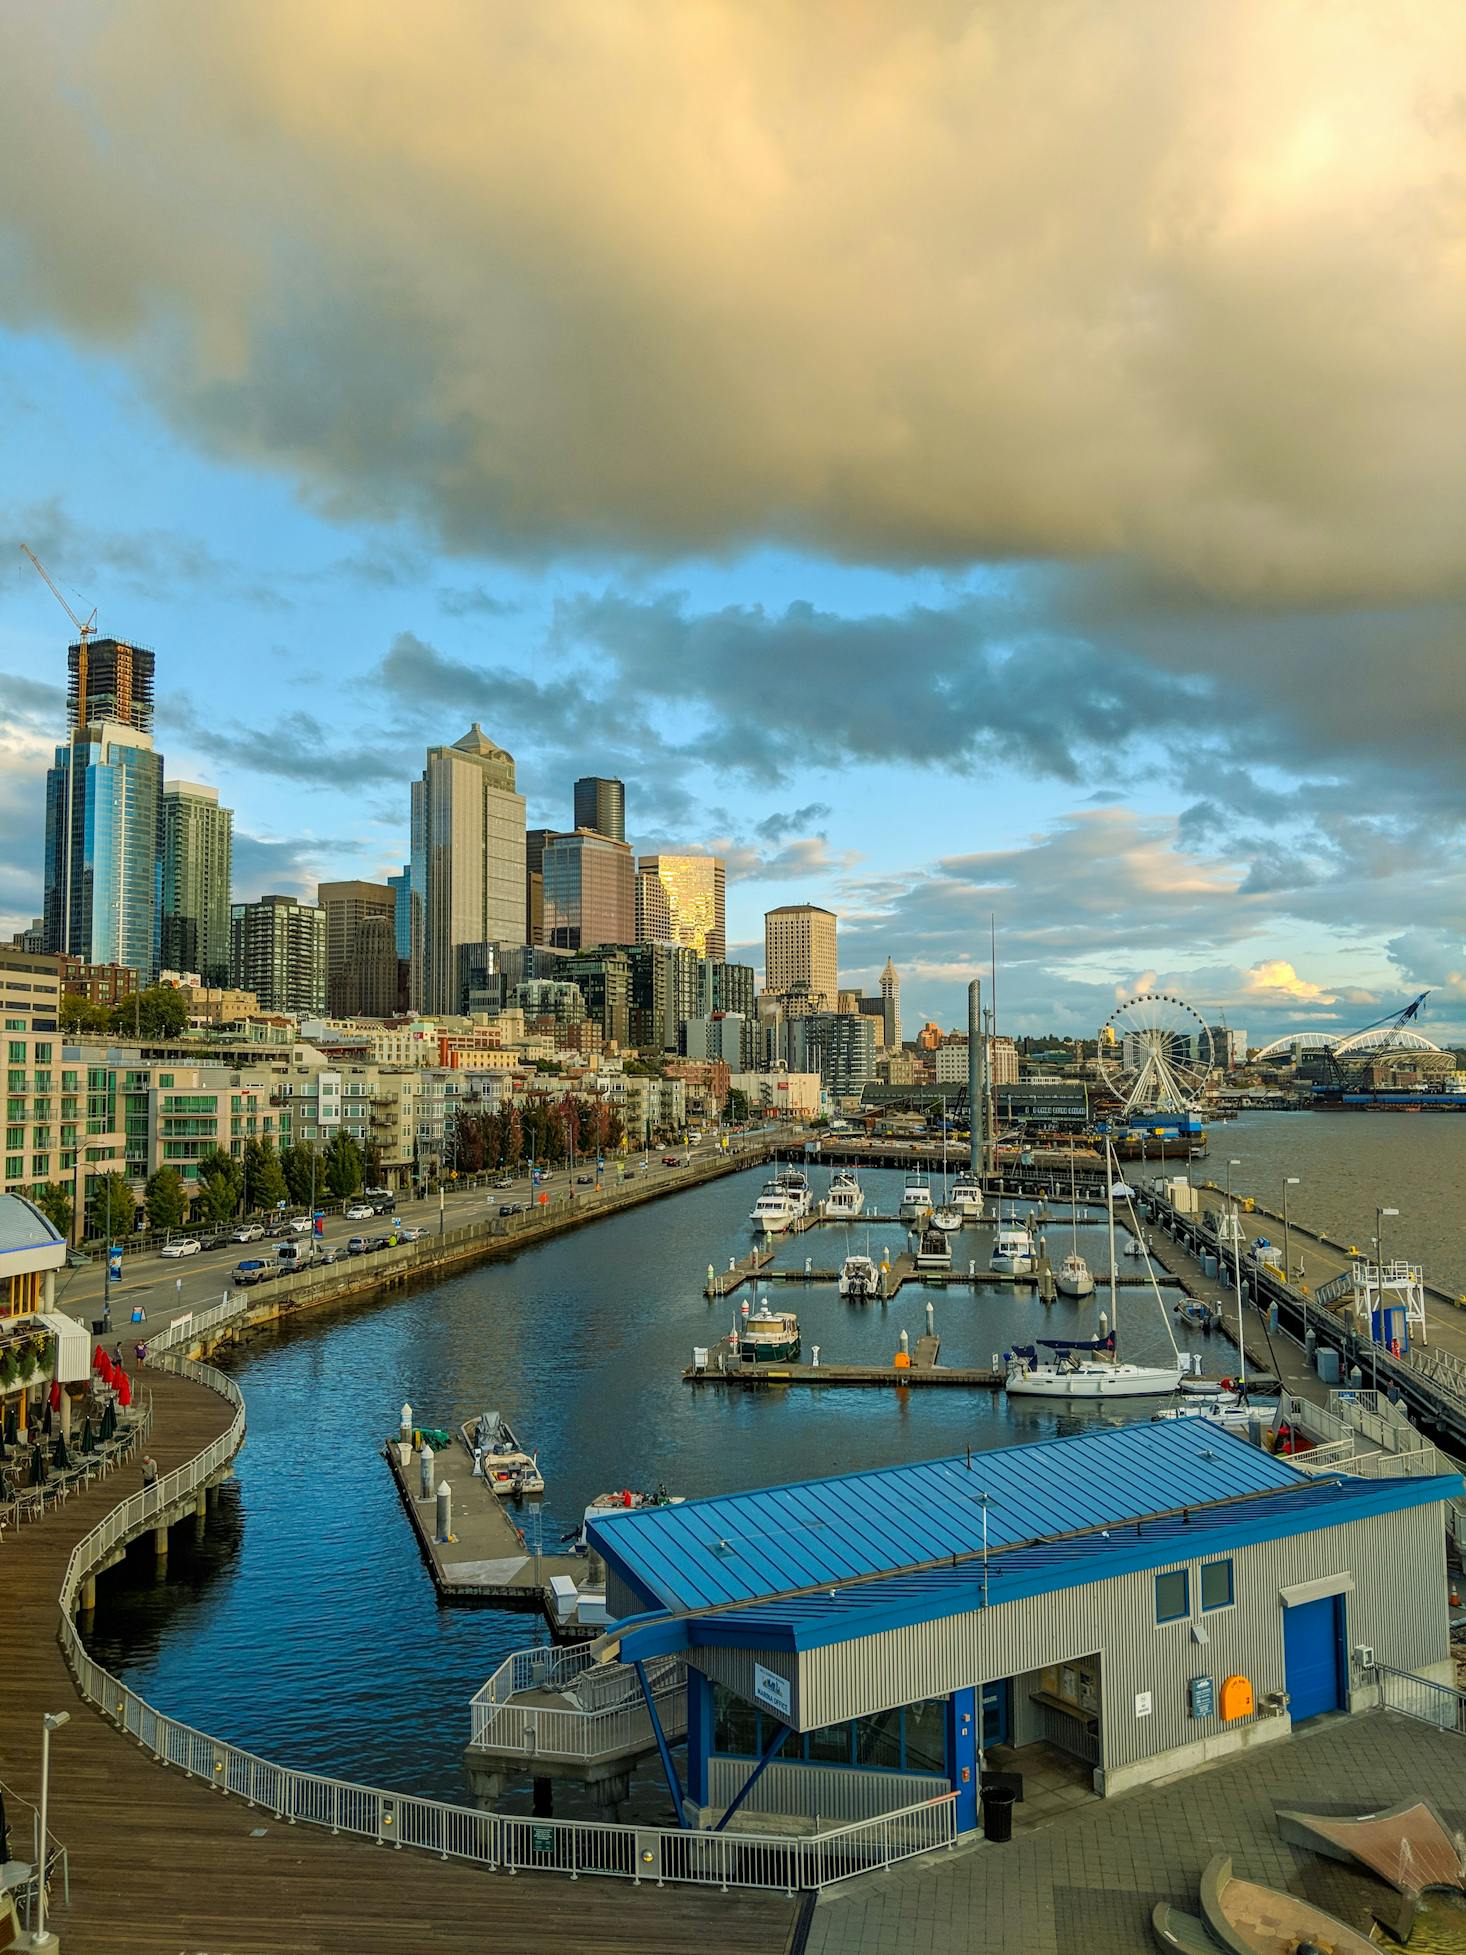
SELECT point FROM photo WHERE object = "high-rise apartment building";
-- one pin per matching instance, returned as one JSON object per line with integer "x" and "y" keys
{"x": 468, "y": 862}
{"x": 891, "y": 1003}
{"x": 278, "y": 951}
{"x": 198, "y": 863}
{"x": 733, "y": 990}
{"x": 799, "y": 957}
{"x": 104, "y": 820}
{"x": 590, "y": 891}
{"x": 60, "y": 1125}
{"x": 601, "y": 805}
{"x": 109, "y": 680}
{"x": 361, "y": 948}
{"x": 604, "y": 977}
{"x": 680, "y": 899}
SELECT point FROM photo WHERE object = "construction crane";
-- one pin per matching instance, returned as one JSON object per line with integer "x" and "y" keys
{"x": 85, "y": 632}
{"x": 1347, "y": 1058}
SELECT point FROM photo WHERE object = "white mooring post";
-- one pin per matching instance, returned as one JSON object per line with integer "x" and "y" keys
{"x": 404, "y": 1430}
{"x": 445, "y": 1511}
{"x": 425, "y": 1483}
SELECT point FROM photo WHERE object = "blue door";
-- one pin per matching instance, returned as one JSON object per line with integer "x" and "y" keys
{"x": 996, "y": 1698}
{"x": 1312, "y": 1653}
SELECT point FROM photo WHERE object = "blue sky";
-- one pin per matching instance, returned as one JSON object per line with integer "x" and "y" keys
{"x": 936, "y": 526}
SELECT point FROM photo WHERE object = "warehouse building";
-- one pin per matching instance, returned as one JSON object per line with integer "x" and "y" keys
{"x": 1140, "y": 1600}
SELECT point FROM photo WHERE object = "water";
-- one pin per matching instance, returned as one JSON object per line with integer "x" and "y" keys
{"x": 305, "y": 1626}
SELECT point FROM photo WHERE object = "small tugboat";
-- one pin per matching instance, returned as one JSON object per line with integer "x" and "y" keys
{"x": 507, "y": 1468}
{"x": 860, "y": 1280}
{"x": 769, "y": 1336}
{"x": 934, "y": 1251}
{"x": 967, "y": 1195}
{"x": 846, "y": 1199}
{"x": 916, "y": 1198}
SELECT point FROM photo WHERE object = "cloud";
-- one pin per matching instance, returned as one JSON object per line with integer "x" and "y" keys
{"x": 1276, "y": 980}
{"x": 935, "y": 284}
{"x": 774, "y": 827}
{"x": 265, "y": 867}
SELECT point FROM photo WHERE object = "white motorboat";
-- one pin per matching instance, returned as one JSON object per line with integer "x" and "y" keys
{"x": 773, "y": 1212}
{"x": 1074, "y": 1278}
{"x": 1014, "y": 1253}
{"x": 795, "y": 1183}
{"x": 1233, "y": 1409}
{"x": 860, "y": 1280}
{"x": 934, "y": 1251}
{"x": 947, "y": 1218}
{"x": 916, "y": 1198}
{"x": 846, "y": 1199}
{"x": 506, "y": 1467}
{"x": 967, "y": 1195}
{"x": 627, "y": 1501}
{"x": 1133, "y": 1246}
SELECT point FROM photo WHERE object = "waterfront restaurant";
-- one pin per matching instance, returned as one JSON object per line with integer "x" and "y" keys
{"x": 37, "y": 1343}
{"x": 1115, "y": 1605}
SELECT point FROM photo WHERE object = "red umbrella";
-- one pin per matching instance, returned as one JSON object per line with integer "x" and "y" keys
{"x": 55, "y": 1394}
{"x": 124, "y": 1387}
{"x": 104, "y": 1367}
{"x": 99, "y": 1357}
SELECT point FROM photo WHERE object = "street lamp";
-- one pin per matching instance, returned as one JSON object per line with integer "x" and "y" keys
{"x": 1235, "y": 1162}
{"x": 1289, "y": 1181}
{"x": 51, "y": 1721}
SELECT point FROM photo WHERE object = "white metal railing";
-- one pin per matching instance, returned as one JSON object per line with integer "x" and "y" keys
{"x": 487, "y": 1839}
{"x": 1418, "y": 1697}
{"x": 612, "y": 1720}
{"x": 194, "y": 1324}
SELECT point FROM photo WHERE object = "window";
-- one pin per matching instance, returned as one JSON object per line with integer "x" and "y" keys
{"x": 1216, "y": 1585}
{"x": 1172, "y": 1596}
{"x": 912, "y": 1739}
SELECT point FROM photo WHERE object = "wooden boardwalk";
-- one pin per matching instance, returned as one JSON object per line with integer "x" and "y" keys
{"x": 160, "y": 1865}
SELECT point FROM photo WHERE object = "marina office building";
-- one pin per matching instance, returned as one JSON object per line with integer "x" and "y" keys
{"x": 1143, "y": 1599}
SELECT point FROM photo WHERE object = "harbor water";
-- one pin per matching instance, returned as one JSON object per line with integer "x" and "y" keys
{"x": 305, "y": 1627}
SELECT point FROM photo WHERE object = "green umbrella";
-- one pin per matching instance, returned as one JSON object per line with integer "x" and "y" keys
{"x": 60, "y": 1456}
{"x": 109, "y": 1419}
{"x": 88, "y": 1437}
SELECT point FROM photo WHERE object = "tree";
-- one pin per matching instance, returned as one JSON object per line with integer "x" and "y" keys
{"x": 371, "y": 1163}
{"x": 304, "y": 1175}
{"x": 159, "y": 1012}
{"x": 111, "y": 1206}
{"x": 81, "y": 1015}
{"x": 218, "y": 1186}
{"x": 263, "y": 1176}
{"x": 343, "y": 1166}
{"x": 167, "y": 1199}
{"x": 737, "y": 1106}
{"x": 54, "y": 1202}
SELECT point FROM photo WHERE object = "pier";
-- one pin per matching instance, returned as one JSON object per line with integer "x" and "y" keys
{"x": 923, "y": 1370}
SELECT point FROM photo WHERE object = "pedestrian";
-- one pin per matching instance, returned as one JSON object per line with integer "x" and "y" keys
{"x": 140, "y": 1352}
{"x": 117, "y": 1353}
{"x": 150, "y": 1470}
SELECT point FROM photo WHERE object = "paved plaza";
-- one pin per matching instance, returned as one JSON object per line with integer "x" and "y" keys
{"x": 1086, "y": 1880}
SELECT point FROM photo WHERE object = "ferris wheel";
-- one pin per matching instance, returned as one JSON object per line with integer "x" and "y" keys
{"x": 1155, "y": 1053}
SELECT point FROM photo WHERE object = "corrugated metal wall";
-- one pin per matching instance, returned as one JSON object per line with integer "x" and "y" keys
{"x": 1398, "y": 1606}
{"x": 735, "y": 1668}
{"x": 826, "y": 1791}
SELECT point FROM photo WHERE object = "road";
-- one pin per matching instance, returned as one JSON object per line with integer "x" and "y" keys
{"x": 165, "y": 1286}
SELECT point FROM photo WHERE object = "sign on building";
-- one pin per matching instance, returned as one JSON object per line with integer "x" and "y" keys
{"x": 773, "y": 1690}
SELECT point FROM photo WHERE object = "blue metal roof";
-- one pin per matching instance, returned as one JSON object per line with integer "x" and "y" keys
{"x": 746, "y": 1546}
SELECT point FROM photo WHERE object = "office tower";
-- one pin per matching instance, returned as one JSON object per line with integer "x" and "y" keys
{"x": 891, "y": 1000}
{"x": 604, "y": 977}
{"x": 468, "y": 875}
{"x": 401, "y": 888}
{"x": 277, "y": 949}
{"x": 680, "y": 899}
{"x": 600, "y": 805}
{"x": 109, "y": 680}
{"x": 198, "y": 862}
{"x": 361, "y": 948}
{"x": 590, "y": 891}
{"x": 799, "y": 957}
{"x": 534, "y": 884}
{"x": 104, "y": 819}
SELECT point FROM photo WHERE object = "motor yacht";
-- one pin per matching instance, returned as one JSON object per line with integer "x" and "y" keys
{"x": 916, "y": 1198}
{"x": 1014, "y": 1253}
{"x": 773, "y": 1212}
{"x": 795, "y": 1184}
{"x": 846, "y": 1199}
{"x": 860, "y": 1280}
{"x": 934, "y": 1251}
{"x": 967, "y": 1195}
{"x": 769, "y": 1336}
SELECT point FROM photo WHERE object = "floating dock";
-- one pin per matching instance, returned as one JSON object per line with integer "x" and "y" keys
{"x": 487, "y": 1560}
{"x": 724, "y": 1368}
{"x": 903, "y": 1269}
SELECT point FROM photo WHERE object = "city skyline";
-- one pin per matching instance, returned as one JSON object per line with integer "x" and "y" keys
{"x": 1159, "y": 664}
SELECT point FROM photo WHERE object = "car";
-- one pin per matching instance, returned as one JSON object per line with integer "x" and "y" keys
{"x": 384, "y": 1242}
{"x": 247, "y": 1273}
{"x": 360, "y": 1212}
{"x": 184, "y": 1246}
{"x": 505, "y": 1181}
{"x": 377, "y": 1194}
{"x": 508, "y": 1208}
{"x": 670, "y": 1161}
{"x": 324, "y": 1252}
{"x": 357, "y": 1246}
{"x": 585, "y": 1181}
{"x": 251, "y": 1232}
{"x": 383, "y": 1207}
{"x": 411, "y": 1235}
{"x": 300, "y": 1224}
{"x": 277, "y": 1229}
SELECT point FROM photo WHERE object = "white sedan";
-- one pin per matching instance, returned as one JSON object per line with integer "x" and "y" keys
{"x": 185, "y": 1246}
{"x": 360, "y": 1213}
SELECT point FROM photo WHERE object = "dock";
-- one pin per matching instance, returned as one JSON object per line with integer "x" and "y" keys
{"x": 488, "y": 1559}
{"x": 924, "y": 1370}
{"x": 755, "y": 1268}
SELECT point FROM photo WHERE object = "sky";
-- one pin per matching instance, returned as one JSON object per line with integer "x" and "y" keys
{"x": 956, "y": 462}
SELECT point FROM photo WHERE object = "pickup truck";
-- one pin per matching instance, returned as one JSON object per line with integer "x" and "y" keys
{"x": 247, "y": 1273}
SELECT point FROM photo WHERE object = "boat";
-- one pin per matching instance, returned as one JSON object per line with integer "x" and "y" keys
{"x": 795, "y": 1184}
{"x": 1074, "y": 1277}
{"x": 1014, "y": 1253}
{"x": 1089, "y": 1368}
{"x": 773, "y": 1212}
{"x": 625, "y": 1502}
{"x": 947, "y": 1218}
{"x": 846, "y": 1199}
{"x": 506, "y": 1467}
{"x": 934, "y": 1251}
{"x": 1234, "y": 1409}
{"x": 860, "y": 1280}
{"x": 916, "y": 1198}
{"x": 967, "y": 1195}
{"x": 769, "y": 1337}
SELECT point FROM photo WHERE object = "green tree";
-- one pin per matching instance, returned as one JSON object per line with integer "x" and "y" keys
{"x": 218, "y": 1186}
{"x": 114, "y": 1220}
{"x": 167, "y": 1199}
{"x": 159, "y": 1012}
{"x": 54, "y": 1201}
{"x": 263, "y": 1177}
{"x": 343, "y": 1166}
{"x": 304, "y": 1174}
{"x": 81, "y": 1015}
{"x": 737, "y": 1106}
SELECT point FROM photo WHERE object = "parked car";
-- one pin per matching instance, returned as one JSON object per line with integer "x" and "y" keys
{"x": 377, "y": 1194}
{"x": 357, "y": 1246}
{"x": 505, "y": 1181}
{"x": 670, "y": 1161}
{"x": 585, "y": 1181}
{"x": 411, "y": 1235}
{"x": 300, "y": 1224}
{"x": 247, "y": 1273}
{"x": 251, "y": 1232}
{"x": 324, "y": 1252}
{"x": 184, "y": 1246}
{"x": 384, "y": 1242}
{"x": 360, "y": 1212}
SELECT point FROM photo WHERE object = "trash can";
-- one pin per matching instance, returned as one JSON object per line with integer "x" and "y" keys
{"x": 997, "y": 1811}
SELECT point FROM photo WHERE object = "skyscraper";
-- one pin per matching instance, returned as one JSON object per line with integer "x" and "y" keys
{"x": 198, "y": 863}
{"x": 680, "y": 899}
{"x": 468, "y": 874}
{"x": 104, "y": 815}
{"x": 534, "y": 884}
{"x": 277, "y": 949}
{"x": 590, "y": 891}
{"x": 799, "y": 957}
{"x": 361, "y": 948}
{"x": 891, "y": 1005}
{"x": 601, "y": 805}
{"x": 109, "y": 680}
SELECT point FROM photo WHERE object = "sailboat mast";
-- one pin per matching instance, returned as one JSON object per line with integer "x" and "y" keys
{"x": 1110, "y": 1172}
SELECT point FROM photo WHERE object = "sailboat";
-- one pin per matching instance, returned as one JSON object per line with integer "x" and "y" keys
{"x": 1088, "y": 1368}
{"x": 1074, "y": 1277}
{"x": 946, "y": 1216}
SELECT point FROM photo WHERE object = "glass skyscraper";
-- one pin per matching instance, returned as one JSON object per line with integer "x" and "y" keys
{"x": 600, "y": 804}
{"x": 590, "y": 891}
{"x": 198, "y": 863}
{"x": 680, "y": 899}
{"x": 468, "y": 874}
{"x": 104, "y": 827}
